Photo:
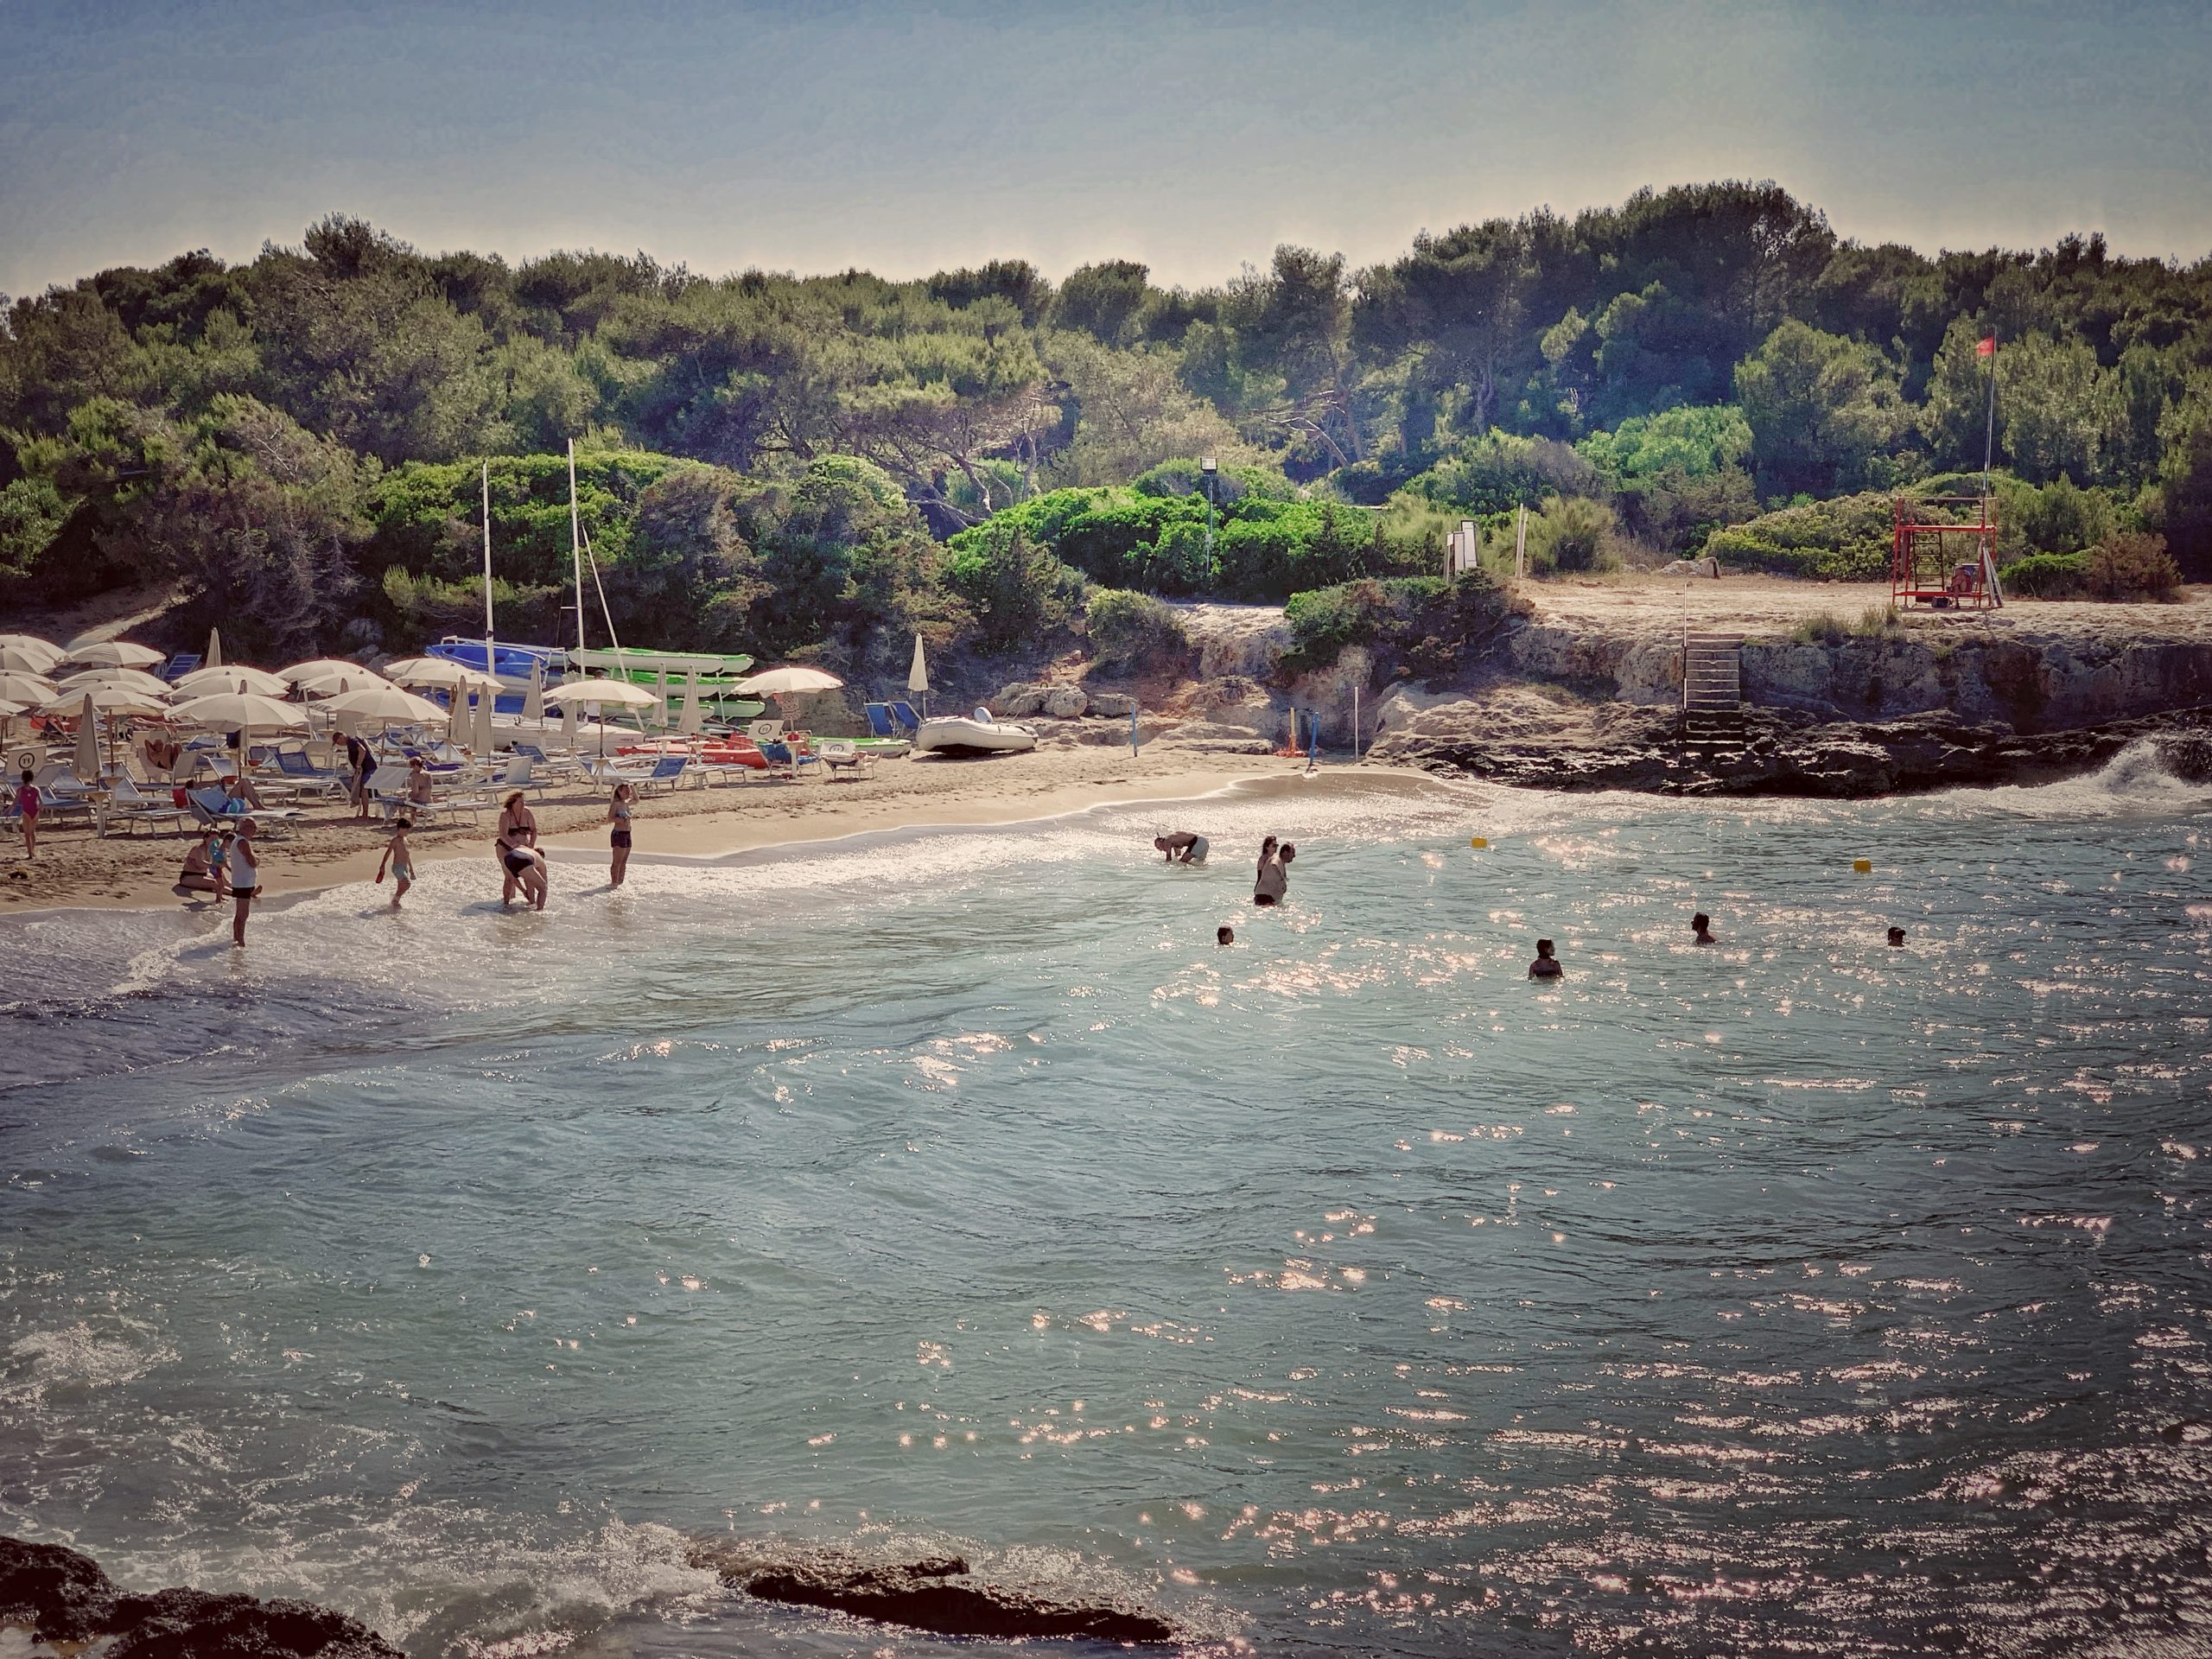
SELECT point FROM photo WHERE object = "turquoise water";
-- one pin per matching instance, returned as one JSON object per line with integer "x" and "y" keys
{"x": 1341, "y": 1292}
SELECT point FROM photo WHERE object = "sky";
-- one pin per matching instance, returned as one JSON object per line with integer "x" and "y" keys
{"x": 910, "y": 138}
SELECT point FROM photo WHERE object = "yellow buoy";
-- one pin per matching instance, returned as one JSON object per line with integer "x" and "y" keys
{"x": 1478, "y": 840}
{"x": 1862, "y": 865}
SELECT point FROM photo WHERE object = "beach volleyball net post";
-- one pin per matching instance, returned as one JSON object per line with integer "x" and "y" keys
{"x": 1943, "y": 552}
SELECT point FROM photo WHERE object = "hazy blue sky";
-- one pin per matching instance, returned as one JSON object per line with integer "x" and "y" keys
{"x": 905, "y": 138}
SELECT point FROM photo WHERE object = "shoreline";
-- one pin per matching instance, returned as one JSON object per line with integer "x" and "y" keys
{"x": 726, "y": 827}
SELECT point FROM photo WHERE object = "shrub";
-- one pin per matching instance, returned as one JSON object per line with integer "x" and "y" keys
{"x": 1844, "y": 540}
{"x": 1826, "y": 629}
{"x": 1422, "y": 624}
{"x": 2131, "y": 564}
{"x": 1131, "y": 632}
{"x": 2047, "y": 576}
{"x": 1572, "y": 534}
{"x": 1017, "y": 589}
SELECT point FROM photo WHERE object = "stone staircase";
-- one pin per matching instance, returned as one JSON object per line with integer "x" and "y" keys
{"x": 1712, "y": 690}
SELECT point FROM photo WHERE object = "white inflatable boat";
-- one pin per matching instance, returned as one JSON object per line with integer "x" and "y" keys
{"x": 977, "y": 731}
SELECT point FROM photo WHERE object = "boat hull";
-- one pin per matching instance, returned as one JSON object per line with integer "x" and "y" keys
{"x": 953, "y": 734}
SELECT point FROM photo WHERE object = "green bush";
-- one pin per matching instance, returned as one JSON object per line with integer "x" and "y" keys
{"x": 2130, "y": 565}
{"x": 1017, "y": 590}
{"x": 2047, "y": 576}
{"x": 1844, "y": 540}
{"x": 1571, "y": 533}
{"x": 1132, "y": 633}
{"x": 1422, "y": 623}
{"x": 1826, "y": 629}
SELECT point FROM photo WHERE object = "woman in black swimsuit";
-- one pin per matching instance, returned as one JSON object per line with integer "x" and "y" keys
{"x": 517, "y": 845}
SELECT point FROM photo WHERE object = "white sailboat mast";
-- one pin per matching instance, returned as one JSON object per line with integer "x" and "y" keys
{"x": 491, "y": 661}
{"x": 577, "y": 543}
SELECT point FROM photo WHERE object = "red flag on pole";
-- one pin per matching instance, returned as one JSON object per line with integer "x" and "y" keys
{"x": 1987, "y": 347}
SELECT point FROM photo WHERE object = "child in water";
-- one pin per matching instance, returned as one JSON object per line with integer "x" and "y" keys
{"x": 399, "y": 859}
{"x": 1546, "y": 966}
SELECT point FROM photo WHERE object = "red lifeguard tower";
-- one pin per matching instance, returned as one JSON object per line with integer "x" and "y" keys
{"x": 1939, "y": 556}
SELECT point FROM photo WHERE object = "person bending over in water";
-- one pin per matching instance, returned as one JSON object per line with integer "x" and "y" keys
{"x": 1225, "y": 934}
{"x": 400, "y": 859}
{"x": 1702, "y": 930}
{"x": 1182, "y": 847}
{"x": 1897, "y": 939}
{"x": 1271, "y": 881}
{"x": 517, "y": 845}
{"x": 1546, "y": 966}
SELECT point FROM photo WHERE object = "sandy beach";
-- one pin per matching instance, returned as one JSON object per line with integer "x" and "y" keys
{"x": 75, "y": 868}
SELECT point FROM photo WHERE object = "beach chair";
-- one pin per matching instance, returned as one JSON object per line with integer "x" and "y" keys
{"x": 910, "y": 723}
{"x": 215, "y": 809}
{"x": 785, "y": 760}
{"x": 881, "y": 722}
{"x": 131, "y": 806}
{"x": 300, "y": 772}
{"x": 843, "y": 758}
{"x": 667, "y": 773}
{"x": 520, "y": 775}
{"x": 177, "y": 667}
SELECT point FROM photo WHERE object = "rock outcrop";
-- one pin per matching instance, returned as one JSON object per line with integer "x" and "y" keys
{"x": 1622, "y": 747}
{"x": 62, "y": 1597}
{"x": 937, "y": 1594}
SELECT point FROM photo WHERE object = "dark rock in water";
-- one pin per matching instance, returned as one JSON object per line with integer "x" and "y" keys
{"x": 936, "y": 1594}
{"x": 62, "y": 1596}
{"x": 2188, "y": 1431}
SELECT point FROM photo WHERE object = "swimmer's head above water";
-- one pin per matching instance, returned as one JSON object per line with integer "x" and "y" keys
{"x": 1224, "y": 935}
{"x": 1702, "y": 929}
{"x": 1897, "y": 938}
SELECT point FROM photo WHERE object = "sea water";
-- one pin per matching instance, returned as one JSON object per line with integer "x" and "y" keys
{"x": 1339, "y": 1292}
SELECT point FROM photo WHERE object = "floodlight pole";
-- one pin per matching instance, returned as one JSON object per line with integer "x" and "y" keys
{"x": 1209, "y": 471}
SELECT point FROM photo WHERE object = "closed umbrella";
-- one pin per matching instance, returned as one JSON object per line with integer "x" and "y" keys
{"x": 918, "y": 677}
{"x": 112, "y": 653}
{"x": 691, "y": 720}
{"x": 569, "y": 727}
{"x": 484, "y": 741}
{"x": 88, "y": 743}
{"x": 533, "y": 701}
{"x": 214, "y": 656}
{"x": 201, "y": 681}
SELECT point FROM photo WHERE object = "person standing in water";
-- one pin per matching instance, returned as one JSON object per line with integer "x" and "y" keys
{"x": 28, "y": 804}
{"x": 1546, "y": 966}
{"x": 1182, "y": 847}
{"x": 244, "y": 879}
{"x": 1702, "y": 930}
{"x": 618, "y": 838}
{"x": 1897, "y": 939}
{"x": 399, "y": 858}
{"x": 1268, "y": 880}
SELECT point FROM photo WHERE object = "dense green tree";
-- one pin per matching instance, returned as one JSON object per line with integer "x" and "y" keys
{"x": 1824, "y": 411}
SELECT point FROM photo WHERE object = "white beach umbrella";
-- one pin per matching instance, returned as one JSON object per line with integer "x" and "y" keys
{"x": 318, "y": 668}
{"x": 691, "y": 720}
{"x": 27, "y": 651}
{"x": 241, "y": 711}
{"x": 104, "y": 699}
{"x": 203, "y": 681}
{"x": 385, "y": 702}
{"x": 781, "y": 682}
{"x": 485, "y": 742}
{"x": 569, "y": 733}
{"x": 601, "y": 694}
{"x": 18, "y": 685}
{"x": 214, "y": 656}
{"x": 22, "y": 660}
{"x": 533, "y": 701}
{"x": 345, "y": 679}
{"x": 112, "y": 653}
{"x": 136, "y": 678}
{"x": 436, "y": 671}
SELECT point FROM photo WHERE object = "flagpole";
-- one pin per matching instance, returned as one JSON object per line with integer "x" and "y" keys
{"x": 1989, "y": 439}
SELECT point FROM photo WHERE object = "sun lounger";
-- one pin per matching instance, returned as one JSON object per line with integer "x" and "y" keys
{"x": 667, "y": 773}
{"x": 215, "y": 809}
{"x": 520, "y": 774}
{"x": 300, "y": 772}
{"x": 184, "y": 662}
{"x": 131, "y": 806}
{"x": 843, "y": 758}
